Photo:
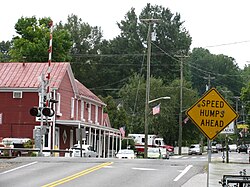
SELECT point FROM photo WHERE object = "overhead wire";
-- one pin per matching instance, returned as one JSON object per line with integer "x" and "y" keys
{"x": 199, "y": 69}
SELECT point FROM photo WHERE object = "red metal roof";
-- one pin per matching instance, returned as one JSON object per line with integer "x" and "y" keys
{"x": 26, "y": 75}
{"x": 82, "y": 90}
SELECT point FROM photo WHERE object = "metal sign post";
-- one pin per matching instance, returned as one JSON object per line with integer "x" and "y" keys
{"x": 211, "y": 114}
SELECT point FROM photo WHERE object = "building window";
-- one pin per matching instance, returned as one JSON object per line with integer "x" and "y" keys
{"x": 96, "y": 114}
{"x": 89, "y": 112}
{"x": 82, "y": 110}
{"x": 72, "y": 107}
{"x": 58, "y": 105}
{"x": 17, "y": 94}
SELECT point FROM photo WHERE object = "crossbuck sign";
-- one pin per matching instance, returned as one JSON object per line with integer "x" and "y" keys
{"x": 211, "y": 113}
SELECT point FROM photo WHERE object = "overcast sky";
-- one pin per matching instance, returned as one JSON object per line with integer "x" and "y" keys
{"x": 221, "y": 26}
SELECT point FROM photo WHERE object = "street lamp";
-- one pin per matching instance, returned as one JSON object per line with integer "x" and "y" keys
{"x": 151, "y": 101}
{"x": 146, "y": 125}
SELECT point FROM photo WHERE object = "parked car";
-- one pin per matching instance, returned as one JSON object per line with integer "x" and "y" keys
{"x": 219, "y": 147}
{"x": 195, "y": 149}
{"x": 242, "y": 148}
{"x": 125, "y": 153}
{"x": 154, "y": 152}
{"x": 87, "y": 151}
{"x": 214, "y": 149}
{"x": 164, "y": 153}
{"x": 16, "y": 143}
{"x": 233, "y": 147}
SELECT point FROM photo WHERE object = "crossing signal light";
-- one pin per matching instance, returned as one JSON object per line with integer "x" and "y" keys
{"x": 35, "y": 111}
{"x": 48, "y": 112}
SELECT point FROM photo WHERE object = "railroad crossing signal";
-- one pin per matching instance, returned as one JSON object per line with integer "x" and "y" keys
{"x": 36, "y": 111}
{"x": 211, "y": 113}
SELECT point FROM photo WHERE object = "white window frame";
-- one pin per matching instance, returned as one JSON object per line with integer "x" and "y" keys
{"x": 58, "y": 105}
{"x": 72, "y": 107}
{"x": 89, "y": 112}
{"x": 82, "y": 110}
{"x": 96, "y": 115}
{"x": 17, "y": 92}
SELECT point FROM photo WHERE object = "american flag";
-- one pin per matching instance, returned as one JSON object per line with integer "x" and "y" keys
{"x": 156, "y": 109}
{"x": 186, "y": 120}
{"x": 122, "y": 130}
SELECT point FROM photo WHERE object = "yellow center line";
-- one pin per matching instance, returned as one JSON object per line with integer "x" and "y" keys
{"x": 79, "y": 174}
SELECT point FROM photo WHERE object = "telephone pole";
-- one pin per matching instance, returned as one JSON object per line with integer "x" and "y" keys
{"x": 181, "y": 98}
{"x": 150, "y": 22}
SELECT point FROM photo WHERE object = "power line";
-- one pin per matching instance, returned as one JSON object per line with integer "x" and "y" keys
{"x": 225, "y": 44}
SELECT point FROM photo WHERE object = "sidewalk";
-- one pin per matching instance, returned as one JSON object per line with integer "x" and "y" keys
{"x": 216, "y": 171}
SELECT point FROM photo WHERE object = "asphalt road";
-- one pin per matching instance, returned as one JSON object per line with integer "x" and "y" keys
{"x": 47, "y": 171}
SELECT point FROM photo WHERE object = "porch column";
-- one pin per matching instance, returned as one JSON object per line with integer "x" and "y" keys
{"x": 89, "y": 136}
{"x": 116, "y": 143}
{"x": 79, "y": 127}
{"x": 100, "y": 144}
{"x": 120, "y": 145}
{"x": 95, "y": 147}
{"x": 108, "y": 143}
{"x": 113, "y": 138}
{"x": 104, "y": 144}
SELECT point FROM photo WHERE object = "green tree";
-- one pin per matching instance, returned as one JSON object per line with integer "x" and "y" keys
{"x": 125, "y": 55}
{"x": 85, "y": 50}
{"x": 32, "y": 42}
{"x": 221, "y": 68}
{"x": 117, "y": 114}
{"x": 166, "y": 123}
{"x": 4, "y": 49}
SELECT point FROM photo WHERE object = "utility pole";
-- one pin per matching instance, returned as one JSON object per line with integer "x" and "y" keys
{"x": 150, "y": 22}
{"x": 181, "y": 98}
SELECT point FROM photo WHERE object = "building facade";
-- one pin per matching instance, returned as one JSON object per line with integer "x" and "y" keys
{"x": 77, "y": 109}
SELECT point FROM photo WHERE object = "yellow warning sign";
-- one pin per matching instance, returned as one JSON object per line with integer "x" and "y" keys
{"x": 242, "y": 126}
{"x": 211, "y": 113}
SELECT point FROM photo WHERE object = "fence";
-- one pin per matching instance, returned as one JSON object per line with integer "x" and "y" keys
{"x": 14, "y": 152}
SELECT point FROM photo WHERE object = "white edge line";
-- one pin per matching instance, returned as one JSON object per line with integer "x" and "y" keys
{"x": 183, "y": 172}
{"x": 18, "y": 168}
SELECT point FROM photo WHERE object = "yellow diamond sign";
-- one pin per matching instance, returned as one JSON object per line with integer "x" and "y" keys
{"x": 211, "y": 113}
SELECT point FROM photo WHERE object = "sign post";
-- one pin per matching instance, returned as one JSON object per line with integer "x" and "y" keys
{"x": 211, "y": 114}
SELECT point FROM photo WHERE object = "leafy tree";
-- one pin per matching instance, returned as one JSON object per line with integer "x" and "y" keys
{"x": 116, "y": 112}
{"x": 171, "y": 39}
{"x": 32, "y": 42}
{"x": 4, "y": 49}
{"x": 166, "y": 123}
{"x": 222, "y": 70}
{"x": 125, "y": 55}
{"x": 84, "y": 51}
